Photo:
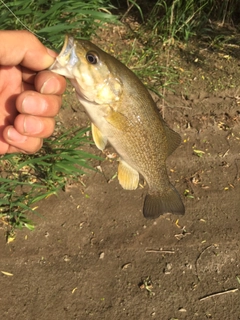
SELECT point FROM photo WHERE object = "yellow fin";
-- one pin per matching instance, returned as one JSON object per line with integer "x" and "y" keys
{"x": 127, "y": 176}
{"x": 98, "y": 138}
{"x": 117, "y": 120}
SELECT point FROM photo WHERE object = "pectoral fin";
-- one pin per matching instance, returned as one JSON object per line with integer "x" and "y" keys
{"x": 127, "y": 176}
{"x": 117, "y": 120}
{"x": 98, "y": 138}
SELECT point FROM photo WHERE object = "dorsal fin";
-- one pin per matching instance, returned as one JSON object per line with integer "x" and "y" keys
{"x": 173, "y": 138}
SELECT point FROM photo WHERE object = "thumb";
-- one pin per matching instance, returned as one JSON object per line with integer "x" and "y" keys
{"x": 22, "y": 47}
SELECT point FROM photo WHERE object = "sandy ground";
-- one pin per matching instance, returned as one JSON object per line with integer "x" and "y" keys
{"x": 94, "y": 256}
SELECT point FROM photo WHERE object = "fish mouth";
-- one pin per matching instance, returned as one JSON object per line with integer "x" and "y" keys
{"x": 67, "y": 46}
{"x": 66, "y": 59}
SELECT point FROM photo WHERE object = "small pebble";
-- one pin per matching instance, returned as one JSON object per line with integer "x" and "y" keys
{"x": 101, "y": 255}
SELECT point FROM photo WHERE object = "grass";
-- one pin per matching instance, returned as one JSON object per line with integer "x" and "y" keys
{"x": 144, "y": 62}
{"x": 169, "y": 25}
{"x": 179, "y": 21}
{"x": 172, "y": 20}
{"x": 27, "y": 179}
{"x": 51, "y": 20}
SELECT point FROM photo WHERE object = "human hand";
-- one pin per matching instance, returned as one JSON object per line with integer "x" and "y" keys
{"x": 29, "y": 99}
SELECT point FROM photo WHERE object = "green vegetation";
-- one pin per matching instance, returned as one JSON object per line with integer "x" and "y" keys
{"x": 26, "y": 179}
{"x": 167, "y": 26}
{"x": 172, "y": 20}
{"x": 51, "y": 20}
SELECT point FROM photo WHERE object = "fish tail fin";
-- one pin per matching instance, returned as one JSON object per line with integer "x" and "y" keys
{"x": 159, "y": 203}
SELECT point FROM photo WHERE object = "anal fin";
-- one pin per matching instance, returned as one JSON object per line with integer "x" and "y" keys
{"x": 127, "y": 176}
{"x": 98, "y": 138}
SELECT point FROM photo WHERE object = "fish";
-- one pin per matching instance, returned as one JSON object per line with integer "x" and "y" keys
{"x": 123, "y": 114}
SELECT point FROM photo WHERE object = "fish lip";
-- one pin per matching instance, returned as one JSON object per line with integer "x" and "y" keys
{"x": 67, "y": 46}
{"x": 67, "y": 56}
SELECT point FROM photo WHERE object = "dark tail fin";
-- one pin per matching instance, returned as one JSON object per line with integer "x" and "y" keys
{"x": 156, "y": 204}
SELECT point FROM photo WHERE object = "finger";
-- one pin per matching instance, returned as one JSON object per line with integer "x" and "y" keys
{"x": 22, "y": 47}
{"x": 37, "y": 104}
{"x": 28, "y": 125}
{"x": 45, "y": 82}
{"x": 28, "y": 76}
{"x": 27, "y": 87}
{"x": 20, "y": 143}
{"x": 3, "y": 144}
{"x": 12, "y": 149}
{"x": 48, "y": 82}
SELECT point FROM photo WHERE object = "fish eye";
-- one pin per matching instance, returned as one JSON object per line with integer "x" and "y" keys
{"x": 92, "y": 57}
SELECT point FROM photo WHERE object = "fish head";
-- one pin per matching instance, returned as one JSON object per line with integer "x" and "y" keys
{"x": 88, "y": 69}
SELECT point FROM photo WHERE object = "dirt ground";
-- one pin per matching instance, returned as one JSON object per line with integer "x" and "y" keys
{"x": 94, "y": 256}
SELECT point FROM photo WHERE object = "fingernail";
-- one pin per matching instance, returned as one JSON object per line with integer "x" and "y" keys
{"x": 32, "y": 125}
{"x": 34, "y": 106}
{"x": 50, "y": 86}
{"x": 15, "y": 136}
{"x": 52, "y": 53}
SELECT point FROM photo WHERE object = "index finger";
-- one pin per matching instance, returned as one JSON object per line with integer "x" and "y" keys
{"x": 22, "y": 47}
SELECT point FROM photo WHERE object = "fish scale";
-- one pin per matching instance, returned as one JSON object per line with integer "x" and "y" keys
{"x": 124, "y": 114}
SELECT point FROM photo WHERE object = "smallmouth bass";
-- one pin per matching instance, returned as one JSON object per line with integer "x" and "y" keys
{"x": 124, "y": 114}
